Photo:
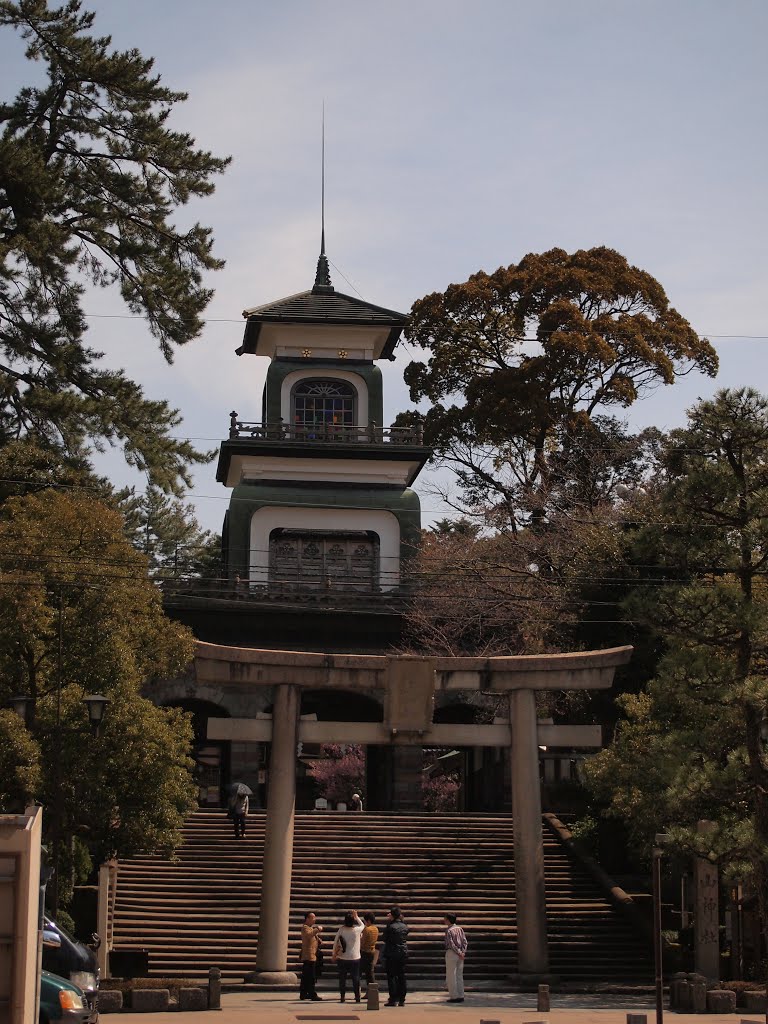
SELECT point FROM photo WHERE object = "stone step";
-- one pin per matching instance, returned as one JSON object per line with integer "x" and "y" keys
{"x": 203, "y": 906}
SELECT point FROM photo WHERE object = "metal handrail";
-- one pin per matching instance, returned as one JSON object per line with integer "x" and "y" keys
{"x": 322, "y": 433}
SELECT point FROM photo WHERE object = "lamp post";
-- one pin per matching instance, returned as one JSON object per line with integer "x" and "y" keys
{"x": 659, "y": 841}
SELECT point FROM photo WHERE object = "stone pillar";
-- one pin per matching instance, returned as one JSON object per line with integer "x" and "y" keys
{"x": 532, "y": 953}
{"x": 407, "y": 764}
{"x": 272, "y": 953}
{"x": 706, "y": 915}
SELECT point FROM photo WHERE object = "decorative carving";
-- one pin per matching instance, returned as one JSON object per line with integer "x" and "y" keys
{"x": 306, "y": 352}
{"x": 336, "y": 388}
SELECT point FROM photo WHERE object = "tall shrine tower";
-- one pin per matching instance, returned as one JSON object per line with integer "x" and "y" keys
{"x": 322, "y": 519}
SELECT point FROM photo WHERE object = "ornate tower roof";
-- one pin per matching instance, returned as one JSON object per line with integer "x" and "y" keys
{"x": 321, "y": 306}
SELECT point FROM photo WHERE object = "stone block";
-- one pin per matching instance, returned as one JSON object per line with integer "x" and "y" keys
{"x": 109, "y": 1001}
{"x": 542, "y": 999}
{"x": 193, "y": 999}
{"x": 676, "y": 990}
{"x": 214, "y": 988}
{"x": 372, "y": 996}
{"x": 683, "y": 995}
{"x": 150, "y": 1000}
{"x": 721, "y": 1000}
{"x": 698, "y": 993}
{"x": 637, "y": 1018}
{"x": 755, "y": 1002}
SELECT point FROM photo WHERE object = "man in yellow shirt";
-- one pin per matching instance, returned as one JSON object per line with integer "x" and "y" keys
{"x": 310, "y": 942}
{"x": 368, "y": 941}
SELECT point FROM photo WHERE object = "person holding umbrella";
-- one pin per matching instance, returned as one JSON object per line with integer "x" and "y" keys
{"x": 238, "y": 807}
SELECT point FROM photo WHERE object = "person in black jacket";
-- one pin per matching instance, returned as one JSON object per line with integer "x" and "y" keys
{"x": 395, "y": 956}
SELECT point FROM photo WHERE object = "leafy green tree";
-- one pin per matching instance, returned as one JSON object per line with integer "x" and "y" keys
{"x": 79, "y": 615}
{"x": 531, "y": 357}
{"x": 90, "y": 179}
{"x": 20, "y": 771}
{"x": 693, "y": 745}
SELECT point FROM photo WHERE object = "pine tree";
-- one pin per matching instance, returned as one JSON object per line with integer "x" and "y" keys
{"x": 694, "y": 745}
{"x": 522, "y": 361}
{"x": 168, "y": 533}
{"x": 90, "y": 178}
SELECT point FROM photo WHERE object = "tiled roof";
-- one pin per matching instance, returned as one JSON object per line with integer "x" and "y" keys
{"x": 327, "y": 306}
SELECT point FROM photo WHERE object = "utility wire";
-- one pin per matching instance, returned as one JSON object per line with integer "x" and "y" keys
{"x": 240, "y": 320}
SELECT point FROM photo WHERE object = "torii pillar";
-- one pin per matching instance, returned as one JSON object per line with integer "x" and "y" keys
{"x": 410, "y": 684}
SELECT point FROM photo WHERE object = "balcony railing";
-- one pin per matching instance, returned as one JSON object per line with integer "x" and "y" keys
{"x": 324, "y": 433}
{"x": 337, "y": 594}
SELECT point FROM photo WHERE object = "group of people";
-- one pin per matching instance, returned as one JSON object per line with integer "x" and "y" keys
{"x": 356, "y": 952}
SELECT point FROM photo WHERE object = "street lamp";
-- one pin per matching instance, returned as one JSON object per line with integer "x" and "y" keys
{"x": 22, "y": 705}
{"x": 96, "y": 705}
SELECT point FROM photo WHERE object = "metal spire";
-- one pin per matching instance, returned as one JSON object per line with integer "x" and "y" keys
{"x": 323, "y": 274}
{"x": 322, "y": 187}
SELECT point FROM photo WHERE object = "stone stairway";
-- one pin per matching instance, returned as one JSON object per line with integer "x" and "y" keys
{"x": 202, "y": 909}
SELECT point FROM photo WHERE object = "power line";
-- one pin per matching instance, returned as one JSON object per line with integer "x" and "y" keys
{"x": 629, "y": 520}
{"x": 241, "y": 320}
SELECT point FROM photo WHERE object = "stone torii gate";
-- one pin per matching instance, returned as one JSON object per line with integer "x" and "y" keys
{"x": 408, "y": 686}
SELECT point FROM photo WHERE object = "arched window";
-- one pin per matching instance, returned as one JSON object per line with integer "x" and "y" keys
{"x": 326, "y": 405}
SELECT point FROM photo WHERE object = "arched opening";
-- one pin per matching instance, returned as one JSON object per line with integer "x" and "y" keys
{"x": 323, "y": 408}
{"x": 334, "y": 770}
{"x": 341, "y": 706}
{"x": 464, "y": 778}
{"x": 211, "y": 757}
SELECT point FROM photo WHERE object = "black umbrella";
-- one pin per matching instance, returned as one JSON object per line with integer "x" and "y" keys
{"x": 240, "y": 789}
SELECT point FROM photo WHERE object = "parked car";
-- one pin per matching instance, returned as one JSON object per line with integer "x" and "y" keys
{"x": 61, "y": 1002}
{"x": 67, "y": 957}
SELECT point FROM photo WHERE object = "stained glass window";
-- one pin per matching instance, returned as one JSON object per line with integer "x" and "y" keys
{"x": 327, "y": 404}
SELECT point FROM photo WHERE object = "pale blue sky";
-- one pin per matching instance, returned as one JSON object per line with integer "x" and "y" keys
{"x": 458, "y": 137}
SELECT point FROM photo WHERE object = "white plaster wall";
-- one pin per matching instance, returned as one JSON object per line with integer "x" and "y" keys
{"x": 331, "y": 471}
{"x": 381, "y": 522}
{"x": 357, "y": 382}
{"x": 361, "y": 342}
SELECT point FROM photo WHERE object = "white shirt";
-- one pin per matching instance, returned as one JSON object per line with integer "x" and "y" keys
{"x": 351, "y": 938}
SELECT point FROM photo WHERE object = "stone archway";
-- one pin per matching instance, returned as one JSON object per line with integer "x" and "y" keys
{"x": 410, "y": 685}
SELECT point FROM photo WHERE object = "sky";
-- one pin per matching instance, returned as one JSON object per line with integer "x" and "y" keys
{"x": 459, "y": 136}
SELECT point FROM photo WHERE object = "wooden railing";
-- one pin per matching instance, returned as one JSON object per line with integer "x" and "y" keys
{"x": 322, "y": 433}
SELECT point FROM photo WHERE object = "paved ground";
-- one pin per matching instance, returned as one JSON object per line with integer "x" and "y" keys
{"x": 430, "y": 1008}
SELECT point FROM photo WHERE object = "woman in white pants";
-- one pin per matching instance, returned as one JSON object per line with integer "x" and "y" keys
{"x": 455, "y": 952}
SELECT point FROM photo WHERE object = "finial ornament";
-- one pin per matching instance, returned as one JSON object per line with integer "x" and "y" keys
{"x": 323, "y": 273}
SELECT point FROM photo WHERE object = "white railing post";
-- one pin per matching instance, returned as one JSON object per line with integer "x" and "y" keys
{"x": 105, "y": 913}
